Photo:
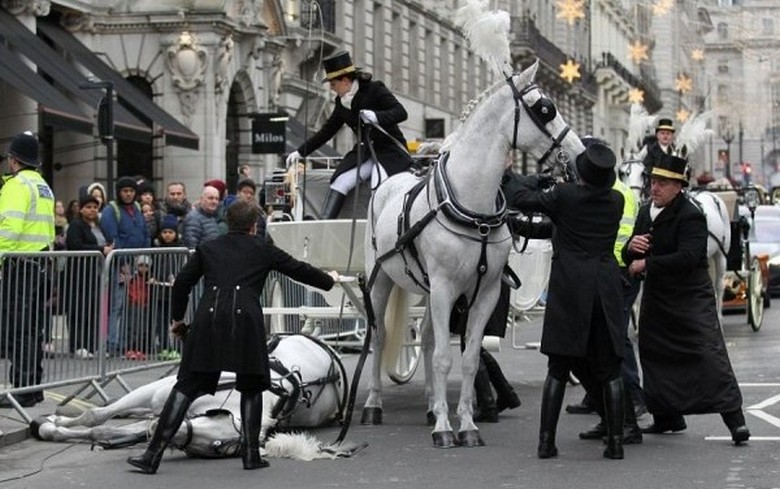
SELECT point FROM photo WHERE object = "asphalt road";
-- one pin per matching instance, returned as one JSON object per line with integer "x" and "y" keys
{"x": 400, "y": 452}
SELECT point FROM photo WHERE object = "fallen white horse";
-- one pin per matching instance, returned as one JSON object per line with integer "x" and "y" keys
{"x": 308, "y": 389}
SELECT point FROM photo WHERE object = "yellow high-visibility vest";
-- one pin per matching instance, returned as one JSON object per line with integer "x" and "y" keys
{"x": 26, "y": 212}
{"x": 630, "y": 210}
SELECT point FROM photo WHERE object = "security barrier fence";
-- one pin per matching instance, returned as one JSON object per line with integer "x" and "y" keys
{"x": 80, "y": 321}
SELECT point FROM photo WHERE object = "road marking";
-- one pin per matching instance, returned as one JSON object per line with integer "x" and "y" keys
{"x": 756, "y": 384}
{"x": 752, "y": 438}
{"x": 766, "y": 403}
{"x": 766, "y": 417}
{"x": 75, "y": 401}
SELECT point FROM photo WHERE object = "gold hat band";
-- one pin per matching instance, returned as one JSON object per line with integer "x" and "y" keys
{"x": 343, "y": 71}
{"x": 660, "y": 172}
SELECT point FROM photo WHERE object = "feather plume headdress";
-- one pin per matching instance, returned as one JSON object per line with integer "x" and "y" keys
{"x": 487, "y": 33}
{"x": 692, "y": 134}
{"x": 639, "y": 124}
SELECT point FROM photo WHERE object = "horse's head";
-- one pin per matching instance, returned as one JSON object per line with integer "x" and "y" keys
{"x": 632, "y": 173}
{"x": 538, "y": 128}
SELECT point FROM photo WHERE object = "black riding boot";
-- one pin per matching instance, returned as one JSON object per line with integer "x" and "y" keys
{"x": 614, "y": 411}
{"x": 170, "y": 419}
{"x": 552, "y": 400}
{"x": 486, "y": 403}
{"x": 251, "y": 418}
{"x": 333, "y": 202}
{"x": 506, "y": 398}
{"x": 735, "y": 421}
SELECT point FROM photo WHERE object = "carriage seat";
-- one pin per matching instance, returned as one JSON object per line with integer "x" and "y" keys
{"x": 767, "y": 224}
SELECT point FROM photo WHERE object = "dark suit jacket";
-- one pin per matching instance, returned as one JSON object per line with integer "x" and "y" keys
{"x": 372, "y": 95}
{"x": 80, "y": 238}
{"x": 228, "y": 332}
{"x": 584, "y": 268}
{"x": 654, "y": 155}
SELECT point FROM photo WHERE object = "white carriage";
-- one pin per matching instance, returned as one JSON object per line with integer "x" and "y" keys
{"x": 338, "y": 317}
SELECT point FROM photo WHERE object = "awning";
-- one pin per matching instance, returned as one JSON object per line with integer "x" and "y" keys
{"x": 175, "y": 133}
{"x": 66, "y": 79}
{"x": 56, "y": 109}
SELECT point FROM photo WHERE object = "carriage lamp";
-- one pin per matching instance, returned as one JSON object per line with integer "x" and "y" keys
{"x": 751, "y": 199}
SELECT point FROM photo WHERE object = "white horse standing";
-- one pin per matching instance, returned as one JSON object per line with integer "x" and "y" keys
{"x": 308, "y": 390}
{"x": 463, "y": 244}
{"x": 632, "y": 172}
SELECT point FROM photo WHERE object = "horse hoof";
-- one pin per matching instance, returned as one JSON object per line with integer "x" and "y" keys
{"x": 444, "y": 439}
{"x": 470, "y": 438}
{"x": 430, "y": 418}
{"x": 371, "y": 415}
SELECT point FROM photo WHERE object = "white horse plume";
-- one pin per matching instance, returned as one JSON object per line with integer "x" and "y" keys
{"x": 692, "y": 134}
{"x": 639, "y": 124}
{"x": 487, "y": 33}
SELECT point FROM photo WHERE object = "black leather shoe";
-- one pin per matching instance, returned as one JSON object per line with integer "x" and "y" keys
{"x": 632, "y": 435}
{"x": 487, "y": 415}
{"x": 507, "y": 400}
{"x": 740, "y": 435}
{"x": 658, "y": 428}
{"x": 596, "y": 433}
{"x": 640, "y": 409}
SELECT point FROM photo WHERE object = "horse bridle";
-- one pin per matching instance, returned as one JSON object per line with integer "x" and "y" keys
{"x": 541, "y": 113}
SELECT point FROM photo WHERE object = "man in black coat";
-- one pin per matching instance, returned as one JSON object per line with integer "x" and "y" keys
{"x": 227, "y": 333}
{"x": 583, "y": 321}
{"x": 663, "y": 144}
{"x": 359, "y": 98}
{"x": 685, "y": 364}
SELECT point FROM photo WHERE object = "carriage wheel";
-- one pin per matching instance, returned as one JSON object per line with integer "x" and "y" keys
{"x": 409, "y": 356}
{"x": 276, "y": 324}
{"x": 755, "y": 296}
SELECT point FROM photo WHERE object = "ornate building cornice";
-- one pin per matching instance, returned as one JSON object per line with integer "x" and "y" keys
{"x": 39, "y": 8}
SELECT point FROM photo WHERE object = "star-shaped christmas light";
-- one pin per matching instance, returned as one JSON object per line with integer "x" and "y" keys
{"x": 682, "y": 115}
{"x": 662, "y": 7}
{"x": 683, "y": 83}
{"x": 570, "y": 10}
{"x": 636, "y": 96}
{"x": 637, "y": 52}
{"x": 570, "y": 71}
{"x": 697, "y": 54}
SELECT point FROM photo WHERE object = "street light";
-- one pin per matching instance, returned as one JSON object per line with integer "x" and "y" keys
{"x": 728, "y": 137}
{"x": 105, "y": 120}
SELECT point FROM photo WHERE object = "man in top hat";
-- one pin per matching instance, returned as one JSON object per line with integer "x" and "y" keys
{"x": 359, "y": 98}
{"x": 663, "y": 144}
{"x": 26, "y": 225}
{"x": 583, "y": 321}
{"x": 685, "y": 364}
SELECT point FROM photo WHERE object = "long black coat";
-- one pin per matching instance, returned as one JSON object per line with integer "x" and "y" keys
{"x": 685, "y": 364}
{"x": 584, "y": 268}
{"x": 654, "y": 155}
{"x": 228, "y": 333}
{"x": 372, "y": 95}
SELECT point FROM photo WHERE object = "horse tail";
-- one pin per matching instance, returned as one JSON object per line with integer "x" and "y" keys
{"x": 396, "y": 320}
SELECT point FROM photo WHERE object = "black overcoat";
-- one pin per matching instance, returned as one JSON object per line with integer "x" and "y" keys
{"x": 654, "y": 155}
{"x": 227, "y": 332}
{"x": 372, "y": 95}
{"x": 685, "y": 365}
{"x": 584, "y": 268}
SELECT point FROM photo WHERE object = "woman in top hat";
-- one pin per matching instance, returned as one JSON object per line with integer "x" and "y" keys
{"x": 358, "y": 97}
{"x": 685, "y": 364}
{"x": 663, "y": 144}
{"x": 583, "y": 321}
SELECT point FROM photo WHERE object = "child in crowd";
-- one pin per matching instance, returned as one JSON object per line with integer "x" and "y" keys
{"x": 139, "y": 317}
{"x": 166, "y": 266}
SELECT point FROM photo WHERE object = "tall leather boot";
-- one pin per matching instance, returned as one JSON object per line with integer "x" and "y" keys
{"x": 614, "y": 411}
{"x": 735, "y": 422}
{"x": 506, "y": 398}
{"x": 333, "y": 202}
{"x": 552, "y": 400}
{"x": 251, "y": 418}
{"x": 170, "y": 419}
{"x": 486, "y": 404}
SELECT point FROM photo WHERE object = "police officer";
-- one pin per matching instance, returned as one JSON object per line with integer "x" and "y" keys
{"x": 27, "y": 226}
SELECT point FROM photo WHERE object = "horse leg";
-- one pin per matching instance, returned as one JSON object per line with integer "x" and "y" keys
{"x": 426, "y": 344}
{"x": 441, "y": 307}
{"x": 140, "y": 401}
{"x": 45, "y": 429}
{"x": 380, "y": 293}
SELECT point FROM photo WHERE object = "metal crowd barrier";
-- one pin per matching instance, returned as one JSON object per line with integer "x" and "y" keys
{"x": 77, "y": 319}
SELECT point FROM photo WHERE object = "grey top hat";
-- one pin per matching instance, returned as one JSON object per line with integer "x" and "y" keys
{"x": 24, "y": 149}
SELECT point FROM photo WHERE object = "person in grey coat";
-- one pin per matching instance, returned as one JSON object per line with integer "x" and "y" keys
{"x": 685, "y": 363}
{"x": 227, "y": 333}
{"x": 200, "y": 224}
{"x": 583, "y": 320}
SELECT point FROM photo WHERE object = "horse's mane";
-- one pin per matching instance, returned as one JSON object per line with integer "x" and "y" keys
{"x": 469, "y": 109}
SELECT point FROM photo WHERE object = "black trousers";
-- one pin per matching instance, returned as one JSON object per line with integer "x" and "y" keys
{"x": 196, "y": 384}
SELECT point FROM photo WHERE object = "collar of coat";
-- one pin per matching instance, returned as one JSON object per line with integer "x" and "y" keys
{"x": 670, "y": 211}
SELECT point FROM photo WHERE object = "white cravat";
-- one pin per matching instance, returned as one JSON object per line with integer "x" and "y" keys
{"x": 654, "y": 211}
{"x": 346, "y": 100}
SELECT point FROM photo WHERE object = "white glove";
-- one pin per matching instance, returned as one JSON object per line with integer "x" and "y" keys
{"x": 293, "y": 158}
{"x": 368, "y": 116}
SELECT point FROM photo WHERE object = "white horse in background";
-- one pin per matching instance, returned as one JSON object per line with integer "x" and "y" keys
{"x": 462, "y": 243}
{"x": 632, "y": 173}
{"x": 308, "y": 390}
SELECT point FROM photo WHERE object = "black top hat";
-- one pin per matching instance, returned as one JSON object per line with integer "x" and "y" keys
{"x": 665, "y": 124}
{"x": 596, "y": 165}
{"x": 671, "y": 167}
{"x": 24, "y": 149}
{"x": 338, "y": 65}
